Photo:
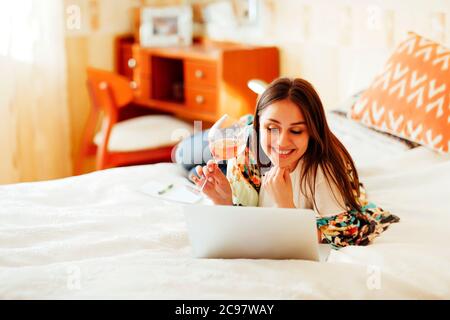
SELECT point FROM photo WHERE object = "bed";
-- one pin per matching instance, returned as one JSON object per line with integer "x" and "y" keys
{"x": 97, "y": 236}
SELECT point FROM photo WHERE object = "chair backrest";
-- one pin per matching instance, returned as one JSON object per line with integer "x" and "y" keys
{"x": 108, "y": 93}
{"x": 108, "y": 90}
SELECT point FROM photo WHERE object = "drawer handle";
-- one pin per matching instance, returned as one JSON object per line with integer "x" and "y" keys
{"x": 133, "y": 85}
{"x": 200, "y": 99}
{"x": 132, "y": 63}
{"x": 103, "y": 85}
{"x": 199, "y": 74}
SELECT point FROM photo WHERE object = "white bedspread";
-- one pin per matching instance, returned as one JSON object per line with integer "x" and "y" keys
{"x": 98, "y": 236}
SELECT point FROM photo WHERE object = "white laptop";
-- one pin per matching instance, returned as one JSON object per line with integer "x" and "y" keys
{"x": 229, "y": 232}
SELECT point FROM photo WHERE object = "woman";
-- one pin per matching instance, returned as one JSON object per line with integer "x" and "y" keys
{"x": 307, "y": 167}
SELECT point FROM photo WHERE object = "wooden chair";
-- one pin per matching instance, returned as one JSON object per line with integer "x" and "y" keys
{"x": 109, "y": 93}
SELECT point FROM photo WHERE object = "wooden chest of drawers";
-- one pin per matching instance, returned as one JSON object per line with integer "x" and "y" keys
{"x": 200, "y": 82}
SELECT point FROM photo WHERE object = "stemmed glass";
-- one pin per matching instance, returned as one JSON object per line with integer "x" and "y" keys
{"x": 225, "y": 143}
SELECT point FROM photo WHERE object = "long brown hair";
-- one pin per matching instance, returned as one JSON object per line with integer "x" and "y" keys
{"x": 324, "y": 149}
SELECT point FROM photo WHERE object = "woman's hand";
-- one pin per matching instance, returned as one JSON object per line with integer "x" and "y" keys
{"x": 277, "y": 183}
{"x": 217, "y": 187}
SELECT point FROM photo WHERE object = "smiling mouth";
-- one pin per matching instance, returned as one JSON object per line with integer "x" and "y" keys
{"x": 283, "y": 153}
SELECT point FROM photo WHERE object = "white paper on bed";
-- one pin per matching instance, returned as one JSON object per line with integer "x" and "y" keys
{"x": 98, "y": 236}
{"x": 185, "y": 193}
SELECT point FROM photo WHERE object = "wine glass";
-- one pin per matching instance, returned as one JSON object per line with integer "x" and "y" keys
{"x": 225, "y": 143}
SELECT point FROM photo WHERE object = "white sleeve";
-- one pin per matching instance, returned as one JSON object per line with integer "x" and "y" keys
{"x": 329, "y": 201}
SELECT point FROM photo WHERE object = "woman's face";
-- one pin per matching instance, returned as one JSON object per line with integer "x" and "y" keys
{"x": 283, "y": 133}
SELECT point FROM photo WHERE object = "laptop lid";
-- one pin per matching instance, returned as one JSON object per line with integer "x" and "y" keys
{"x": 252, "y": 232}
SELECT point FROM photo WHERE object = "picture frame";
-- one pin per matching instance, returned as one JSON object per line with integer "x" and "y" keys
{"x": 166, "y": 26}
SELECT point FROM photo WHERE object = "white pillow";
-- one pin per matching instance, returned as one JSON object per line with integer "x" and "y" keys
{"x": 146, "y": 132}
{"x": 345, "y": 106}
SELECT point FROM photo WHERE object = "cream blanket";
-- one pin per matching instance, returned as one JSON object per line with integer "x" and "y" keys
{"x": 98, "y": 236}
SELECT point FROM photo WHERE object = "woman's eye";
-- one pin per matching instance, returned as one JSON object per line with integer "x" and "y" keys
{"x": 276, "y": 129}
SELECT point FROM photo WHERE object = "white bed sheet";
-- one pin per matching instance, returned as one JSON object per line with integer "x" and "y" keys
{"x": 98, "y": 236}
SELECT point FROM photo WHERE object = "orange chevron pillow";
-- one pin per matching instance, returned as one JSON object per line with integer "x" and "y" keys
{"x": 411, "y": 96}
